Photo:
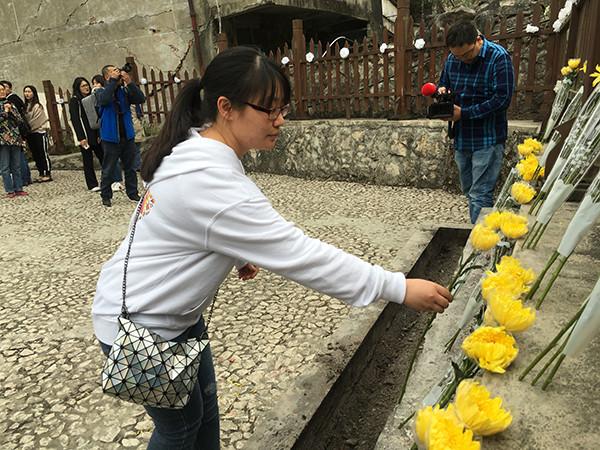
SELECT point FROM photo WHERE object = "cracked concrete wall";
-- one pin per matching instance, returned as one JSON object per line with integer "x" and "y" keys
{"x": 59, "y": 40}
{"x": 62, "y": 39}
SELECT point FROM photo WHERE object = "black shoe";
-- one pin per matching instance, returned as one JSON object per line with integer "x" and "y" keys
{"x": 106, "y": 202}
{"x": 134, "y": 198}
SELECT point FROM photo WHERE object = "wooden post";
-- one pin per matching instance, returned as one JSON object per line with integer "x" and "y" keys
{"x": 53, "y": 117}
{"x": 298, "y": 57}
{"x": 222, "y": 43}
{"x": 401, "y": 61}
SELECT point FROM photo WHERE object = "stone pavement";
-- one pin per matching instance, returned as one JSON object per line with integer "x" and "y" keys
{"x": 52, "y": 245}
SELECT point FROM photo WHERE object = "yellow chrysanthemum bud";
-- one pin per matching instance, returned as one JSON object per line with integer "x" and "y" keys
{"x": 541, "y": 172}
{"x": 566, "y": 71}
{"x": 502, "y": 283}
{"x": 513, "y": 229}
{"x": 425, "y": 417}
{"x": 483, "y": 238}
{"x": 524, "y": 149}
{"x": 523, "y": 193}
{"x": 512, "y": 266}
{"x": 527, "y": 167}
{"x": 573, "y": 63}
{"x": 534, "y": 144}
{"x": 447, "y": 432}
{"x": 584, "y": 68}
{"x": 478, "y": 411}
{"x": 510, "y": 313}
{"x": 492, "y": 220}
{"x": 492, "y": 347}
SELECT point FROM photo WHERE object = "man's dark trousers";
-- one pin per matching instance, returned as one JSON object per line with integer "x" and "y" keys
{"x": 125, "y": 151}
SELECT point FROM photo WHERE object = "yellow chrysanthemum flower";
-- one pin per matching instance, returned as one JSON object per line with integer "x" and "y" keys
{"x": 524, "y": 149}
{"x": 425, "y": 417}
{"x": 523, "y": 193}
{"x": 492, "y": 220}
{"x": 510, "y": 313}
{"x": 566, "y": 71}
{"x": 513, "y": 229}
{"x": 573, "y": 63}
{"x": 492, "y": 347}
{"x": 483, "y": 238}
{"x": 478, "y": 411}
{"x": 502, "y": 283}
{"x": 534, "y": 144}
{"x": 596, "y": 76}
{"x": 512, "y": 266}
{"x": 446, "y": 432}
{"x": 527, "y": 167}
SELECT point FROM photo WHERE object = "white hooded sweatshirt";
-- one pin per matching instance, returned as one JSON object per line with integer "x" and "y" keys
{"x": 202, "y": 215}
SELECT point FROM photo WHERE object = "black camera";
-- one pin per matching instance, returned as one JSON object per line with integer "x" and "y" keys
{"x": 126, "y": 68}
{"x": 442, "y": 106}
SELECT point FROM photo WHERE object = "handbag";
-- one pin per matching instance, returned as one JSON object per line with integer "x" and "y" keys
{"x": 142, "y": 367}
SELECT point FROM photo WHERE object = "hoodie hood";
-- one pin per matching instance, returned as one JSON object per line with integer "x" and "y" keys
{"x": 195, "y": 154}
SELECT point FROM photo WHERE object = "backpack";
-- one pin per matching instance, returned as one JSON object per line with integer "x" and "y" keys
{"x": 91, "y": 111}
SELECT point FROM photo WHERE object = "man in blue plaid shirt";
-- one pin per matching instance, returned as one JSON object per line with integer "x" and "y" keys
{"x": 480, "y": 74}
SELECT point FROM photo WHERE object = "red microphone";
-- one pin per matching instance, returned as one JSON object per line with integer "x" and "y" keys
{"x": 428, "y": 89}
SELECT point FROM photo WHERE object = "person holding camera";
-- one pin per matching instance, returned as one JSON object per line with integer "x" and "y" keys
{"x": 116, "y": 130}
{"x": 480, "y": 75}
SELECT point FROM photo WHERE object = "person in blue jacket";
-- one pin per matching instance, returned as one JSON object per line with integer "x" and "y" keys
{"x": 116, "y": 130}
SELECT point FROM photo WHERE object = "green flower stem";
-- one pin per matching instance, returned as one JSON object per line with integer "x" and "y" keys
{"x": 549, "y": 363}
{"x": 553, "y": 372}
{"x": 541, "y": 233}
{"x": 530, "y": 235}
{"x": 452, "y": 340}
{"x": 538, "y": 204}
{"x": 461, "y": 270}
{"x": 552, "y": 343}
{"x": 541, "y": 276}
{"x": 562, "y": 261}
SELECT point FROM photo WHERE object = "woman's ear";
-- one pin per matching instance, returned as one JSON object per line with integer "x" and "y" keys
{"x": 224, "y": 107}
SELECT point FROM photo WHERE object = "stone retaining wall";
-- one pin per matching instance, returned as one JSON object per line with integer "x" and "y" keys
{"x": 398, "y": 153}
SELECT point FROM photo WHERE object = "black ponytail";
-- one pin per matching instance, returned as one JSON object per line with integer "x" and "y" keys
{"x": 242, "y": 74}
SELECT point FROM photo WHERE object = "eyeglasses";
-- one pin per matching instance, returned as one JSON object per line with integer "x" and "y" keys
{"x": 272, "y": 113}
{"x": 464, "y": 55}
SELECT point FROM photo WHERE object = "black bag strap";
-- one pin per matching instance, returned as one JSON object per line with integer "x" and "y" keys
{"x": 124, "y": 310}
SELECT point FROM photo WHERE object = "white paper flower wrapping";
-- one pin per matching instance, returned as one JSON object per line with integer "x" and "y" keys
{"x": 383, "y": 47}
{"x": 563, "y": 14}
{"x": 588, "y": 325}
{"x": 285, "y": 60}
{"x": 584, "y": 219}
{"x": 556, "y": 197}
{"x": 144, "y": 81}
{"x": 310, "y": 57}
{"x": 419, "y": 43}
{"x": 471, "y": 308}
{"x": 532, "y": 29}
{"x": 176, "y": 80}
{"x": 344, "y": 52}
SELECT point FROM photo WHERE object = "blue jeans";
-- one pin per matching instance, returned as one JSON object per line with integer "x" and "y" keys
{"x": 10, "y": 168}
{"x": 196, "y": 425}
{"x": 478, "y": 171}
{"x": 124, "y": 151}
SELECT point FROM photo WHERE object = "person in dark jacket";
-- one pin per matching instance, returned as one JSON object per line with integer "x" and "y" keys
{"x": 16, "y": 101}
{"x": 88, "y": 138}
{"x": 11, "y": 146}
{"x": 37, "y": 139}
{"x": 116, "y": 130}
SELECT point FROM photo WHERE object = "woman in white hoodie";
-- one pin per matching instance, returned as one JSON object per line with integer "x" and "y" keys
{"x": 201, "y": 216}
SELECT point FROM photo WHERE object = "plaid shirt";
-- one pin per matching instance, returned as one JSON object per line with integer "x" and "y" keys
{"x": 483, "y": 90}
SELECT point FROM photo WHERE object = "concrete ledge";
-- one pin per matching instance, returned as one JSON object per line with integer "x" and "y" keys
{"x": 566, "y": 416}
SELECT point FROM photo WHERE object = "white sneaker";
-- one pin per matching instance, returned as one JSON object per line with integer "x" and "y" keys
{"x": 116, "y": 186}
{"x": 95, "y": 189}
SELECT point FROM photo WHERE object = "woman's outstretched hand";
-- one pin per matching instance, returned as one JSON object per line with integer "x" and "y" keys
{"x": 247, "y": 272}
{"x": 423, "y": 295}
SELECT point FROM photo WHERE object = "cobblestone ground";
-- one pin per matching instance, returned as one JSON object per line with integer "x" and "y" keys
{"x": 52, "y": 245}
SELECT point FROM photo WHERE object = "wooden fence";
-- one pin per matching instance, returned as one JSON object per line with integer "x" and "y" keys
{"x": 382, "y": 78}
